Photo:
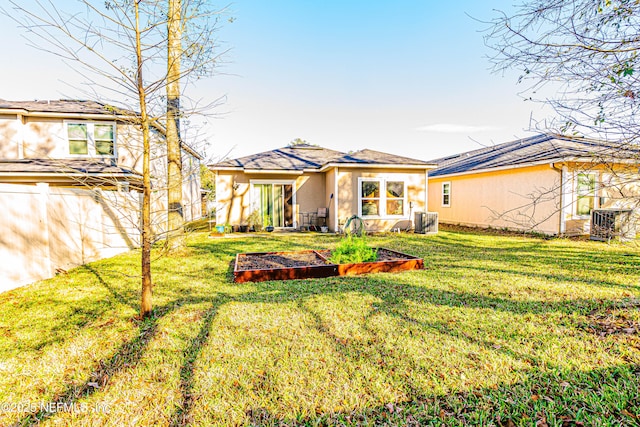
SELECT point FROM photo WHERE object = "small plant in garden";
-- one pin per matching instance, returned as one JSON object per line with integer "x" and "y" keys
{"x": 255, "y": 221}
{"x": 353, "y": 249}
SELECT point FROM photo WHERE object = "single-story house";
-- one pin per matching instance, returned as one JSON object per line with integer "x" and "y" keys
{"x": 70, "y": 182}
{"x": 303, "y": 184}
{"x": 547, "y": 183}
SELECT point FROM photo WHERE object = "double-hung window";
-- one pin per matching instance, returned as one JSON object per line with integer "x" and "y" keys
{"x": 91, "y": 139}
{"x": 380, "y": 197}
{"x": 585, "y": 193}
{"x": 446, "y": 194}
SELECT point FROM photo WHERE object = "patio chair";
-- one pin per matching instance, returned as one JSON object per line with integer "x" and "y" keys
{"x": 322, "y": 214}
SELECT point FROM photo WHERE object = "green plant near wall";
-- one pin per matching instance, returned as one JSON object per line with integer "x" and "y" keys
{"x": 254, "y": 220}
{"x": 353, "y": 249}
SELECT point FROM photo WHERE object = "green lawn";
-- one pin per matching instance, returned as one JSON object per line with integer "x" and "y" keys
{"x": 497, "y": 330}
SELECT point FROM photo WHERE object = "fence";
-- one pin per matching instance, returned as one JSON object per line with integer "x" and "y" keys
{"x": 46, "y": 229}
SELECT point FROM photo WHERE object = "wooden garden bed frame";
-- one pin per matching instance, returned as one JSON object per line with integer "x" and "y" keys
{"x": 327, "y": 269}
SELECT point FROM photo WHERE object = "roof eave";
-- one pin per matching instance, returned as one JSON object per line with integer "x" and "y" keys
{"x": 588, "y": 160}
{"x": 376, "y": 166}
{"x": 273, "y": 171}
{"x": 494, "y": 169}
{"x": 66, "y": 115}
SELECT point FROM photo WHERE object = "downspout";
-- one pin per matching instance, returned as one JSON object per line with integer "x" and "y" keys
{"x": 20, "y": 120}
{"x": 336, "y": 228}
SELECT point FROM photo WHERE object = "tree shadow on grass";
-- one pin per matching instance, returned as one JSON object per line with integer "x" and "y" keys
{"x": 394, "y": 291}
{"x": 182, "y": 415}
{"x": 567, "y": 399}
{"x": 127, "y": 355}
{"x": 120, "y": 298}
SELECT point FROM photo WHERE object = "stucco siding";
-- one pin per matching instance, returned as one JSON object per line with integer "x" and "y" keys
{"x": 330, "y": 185}
{"x": 617, "y": 187}
{"x": 10, "y": 138}
{"x": 311, "y": 193}
{"x": 348, "y": 182}
{"x": 523, "y": 198}
{"x": 234, "y": 199}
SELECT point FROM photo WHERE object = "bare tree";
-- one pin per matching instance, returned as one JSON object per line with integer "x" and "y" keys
{"x": 121, "y": 46}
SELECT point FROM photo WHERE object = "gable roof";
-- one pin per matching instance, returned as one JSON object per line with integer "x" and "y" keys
{"x": 297, "y": 158}
{"x": 539, "y": 149}
{"x": 310, "y": 158}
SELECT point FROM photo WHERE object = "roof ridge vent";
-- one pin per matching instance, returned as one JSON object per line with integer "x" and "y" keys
{"x": 305, "y": 147}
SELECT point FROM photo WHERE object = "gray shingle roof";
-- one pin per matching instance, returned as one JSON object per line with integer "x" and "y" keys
{"x": 298, "y": 157}
{"x": 305, "y": 157}
{"x": 372, "y": 157}
{"x": 70, "y": 106}
{"x": 537, "y": 149}
{"x": 64, "y": 166}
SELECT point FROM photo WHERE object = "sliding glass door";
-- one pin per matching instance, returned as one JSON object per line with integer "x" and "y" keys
{"x": 274, "y": 201}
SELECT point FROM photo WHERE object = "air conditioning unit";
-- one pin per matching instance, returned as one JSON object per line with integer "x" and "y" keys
{"x": 426, "y": 222}
{"x": 607, "y": 224}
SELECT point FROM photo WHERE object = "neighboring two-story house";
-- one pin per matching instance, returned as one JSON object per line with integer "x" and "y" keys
{"x": 70, "y": 185}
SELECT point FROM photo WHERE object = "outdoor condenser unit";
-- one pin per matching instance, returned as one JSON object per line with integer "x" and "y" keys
{"x": 607, "y": 224}
{"x": 426, "y": 222}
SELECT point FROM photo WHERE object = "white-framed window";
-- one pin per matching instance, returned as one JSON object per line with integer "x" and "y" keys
{"x": 586, "y": 190}
{"x": 446, "y": 194}
{"x": 91, "y": 139}
{"x": 382, "y": 198}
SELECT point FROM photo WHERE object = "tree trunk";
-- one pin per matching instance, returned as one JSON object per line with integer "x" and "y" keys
{"x": 145, "y": 301}
{"x": 174, "y": 154}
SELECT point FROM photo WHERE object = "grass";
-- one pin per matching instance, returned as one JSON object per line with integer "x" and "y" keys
{"x": 497, "y": 330}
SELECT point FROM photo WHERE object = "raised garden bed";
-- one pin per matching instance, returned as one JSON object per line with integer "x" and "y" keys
{"x": 261, "y": 266}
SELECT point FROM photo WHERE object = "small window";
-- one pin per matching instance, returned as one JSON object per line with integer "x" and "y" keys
{"x": 78, "y": 139}
{"x": 395, "y": 198}
{"x": 370, "y": 201}
{"x": 585, "y": 193}
{"x": 103, "y": 135}
{"x": 446, "y": 194}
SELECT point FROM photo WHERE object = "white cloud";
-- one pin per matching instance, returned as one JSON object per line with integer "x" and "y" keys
{"x": 453, "y": 128}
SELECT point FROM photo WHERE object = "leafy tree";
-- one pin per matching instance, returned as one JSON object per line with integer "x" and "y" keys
{"x": 579, "y": 56}
{"x": 208, "y": 182}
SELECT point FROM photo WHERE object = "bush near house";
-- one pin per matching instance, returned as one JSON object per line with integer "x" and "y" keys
{"x": 497, "y": 330}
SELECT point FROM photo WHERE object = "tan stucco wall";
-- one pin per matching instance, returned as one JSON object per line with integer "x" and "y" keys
{"x": 330, "y": 185}
{"x": 618, "y": 187}
{"x": 43, "y": 137}
{"x": 233, "y": 194}
{"x": 348, "y": 195}
{"x": 10, "y": 137}
{"x": 523, "y": 198}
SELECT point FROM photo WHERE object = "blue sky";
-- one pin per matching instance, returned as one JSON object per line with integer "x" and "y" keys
{"x": 405, "y": 77}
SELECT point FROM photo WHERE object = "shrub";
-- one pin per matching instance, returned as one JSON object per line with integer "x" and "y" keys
{"x": 353, "y": 250}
